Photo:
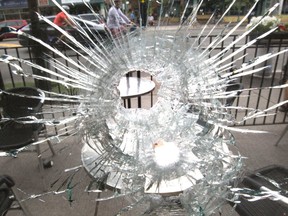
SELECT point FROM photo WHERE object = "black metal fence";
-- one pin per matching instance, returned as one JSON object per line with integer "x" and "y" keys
{"x": 257, "y": 93}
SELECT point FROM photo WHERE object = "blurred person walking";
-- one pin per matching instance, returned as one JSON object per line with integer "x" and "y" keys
{"x": 132, "y": 16}
{"x": 62, "y": 20}
{"x": 117, "y": 22}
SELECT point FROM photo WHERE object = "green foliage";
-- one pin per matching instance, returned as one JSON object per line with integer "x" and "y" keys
{"x": 264, "y": 28}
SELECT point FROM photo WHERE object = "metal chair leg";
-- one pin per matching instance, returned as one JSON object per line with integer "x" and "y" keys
{"x": 282, "y": 135}
{"x": 49, "y": 142}
{"x": 41, "y": 167}
{"x": 51, "y": 148}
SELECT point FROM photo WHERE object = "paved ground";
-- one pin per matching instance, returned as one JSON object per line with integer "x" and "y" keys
{"x": 259, "y": 150}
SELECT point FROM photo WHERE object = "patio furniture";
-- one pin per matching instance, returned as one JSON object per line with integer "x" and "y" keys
{"x": 272, "y": 178}
{"x": 233, "y": 87}
{"x": 22, "y": 102}
{"x": 131, "y": 87}
{"x": 8, "y": 198}
{"x": 20, "y": 125}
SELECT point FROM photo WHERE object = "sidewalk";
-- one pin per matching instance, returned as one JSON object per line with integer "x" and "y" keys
{"x": 196, "y": 25}
{"x": 258, "y": 148}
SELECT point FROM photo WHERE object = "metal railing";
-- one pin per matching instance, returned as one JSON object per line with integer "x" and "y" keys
{"x": 258, "y": 94}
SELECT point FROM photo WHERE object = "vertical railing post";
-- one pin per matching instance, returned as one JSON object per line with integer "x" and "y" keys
{"x": 37, "y": 49}
{"x": 2, "y": 86}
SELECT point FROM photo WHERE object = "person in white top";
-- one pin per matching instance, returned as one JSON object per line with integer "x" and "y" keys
{"x": 117, "y": 21}
{"x": 151, "y": 20}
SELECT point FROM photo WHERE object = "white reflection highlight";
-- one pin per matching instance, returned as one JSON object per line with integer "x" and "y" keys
{"x": 166, "y": 153}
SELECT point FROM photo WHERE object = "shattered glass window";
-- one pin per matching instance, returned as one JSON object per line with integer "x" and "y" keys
{"x": 172, "y": 152}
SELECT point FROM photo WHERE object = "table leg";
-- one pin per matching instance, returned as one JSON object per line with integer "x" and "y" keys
{"x": 97, "y": 205}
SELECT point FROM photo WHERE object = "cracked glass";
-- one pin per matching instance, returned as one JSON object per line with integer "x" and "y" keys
{"x": 171, "y": 157}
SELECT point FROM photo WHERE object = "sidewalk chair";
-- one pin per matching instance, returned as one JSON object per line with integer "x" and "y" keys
{"x": 8, "y": 199}
{"x": 269, "y": 178}
{"x": 19, "y": 126}
{"x": 233, "y": 86}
